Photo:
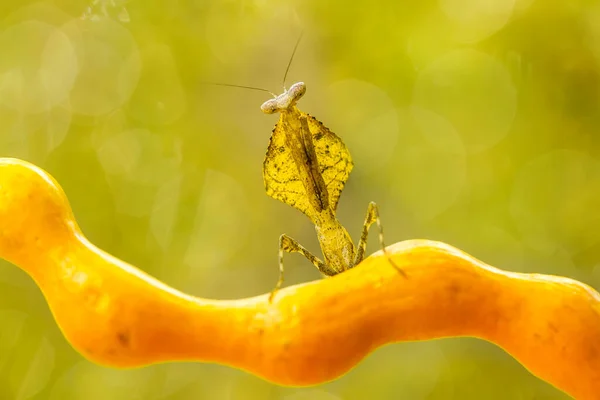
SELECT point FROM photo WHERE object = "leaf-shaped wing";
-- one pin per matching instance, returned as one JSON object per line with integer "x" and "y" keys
{"x": 280, "y": 172}
{"x": 335, "y": 162}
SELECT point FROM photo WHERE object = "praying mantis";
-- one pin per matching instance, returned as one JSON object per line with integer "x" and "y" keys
{"x": 306, "y": 167}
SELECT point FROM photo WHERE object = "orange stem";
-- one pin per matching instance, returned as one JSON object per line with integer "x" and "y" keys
{"x": 116, "y": 315}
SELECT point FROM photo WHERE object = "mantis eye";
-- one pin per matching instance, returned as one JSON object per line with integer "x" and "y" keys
{"x": 269, "y": 106}
{"x": 296, "y": 91}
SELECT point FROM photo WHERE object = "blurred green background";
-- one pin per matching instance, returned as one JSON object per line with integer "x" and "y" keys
{"x": 471, "y": 122}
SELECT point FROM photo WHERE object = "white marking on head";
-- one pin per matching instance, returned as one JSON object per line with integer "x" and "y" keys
{"x": 285, "y": 100}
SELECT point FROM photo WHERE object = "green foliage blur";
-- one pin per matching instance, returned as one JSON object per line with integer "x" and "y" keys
{"x": 470, "y": 122}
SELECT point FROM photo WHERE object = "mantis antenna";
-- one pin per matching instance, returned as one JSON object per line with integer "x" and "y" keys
{"x": 240, "y": 86}
{"x": 261, "y": 89}
{"x": 291, "y": 59}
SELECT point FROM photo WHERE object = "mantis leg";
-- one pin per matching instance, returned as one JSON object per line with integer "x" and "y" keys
{"x": 372, "y": 216}
{"x": 289, "y": 245}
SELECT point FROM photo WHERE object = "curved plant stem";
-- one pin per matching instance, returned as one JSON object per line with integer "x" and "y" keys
{"x": 116, "y": 315}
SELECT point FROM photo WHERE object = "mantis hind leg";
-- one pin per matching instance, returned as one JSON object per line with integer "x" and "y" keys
{"x": 289, "y": 245}
{"x": 372, "y": 217}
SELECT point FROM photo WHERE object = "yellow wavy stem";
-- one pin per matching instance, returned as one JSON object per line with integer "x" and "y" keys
{"x": 116, "y": 315}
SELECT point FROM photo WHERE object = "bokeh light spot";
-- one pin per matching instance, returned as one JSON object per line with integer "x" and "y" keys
{"x": 93, "y": 382}
{"x": 554, "y": 201}
{"x": 365, "y": 118}
{"x": 473, "y": 20}
{"x": 220, "y": 228}
{"x": 159, "y": 98}
{"x": 473, "y": 92}
{"x": 429, "y": 173}
{"x": 135, "y": 165}
{"x": 37, "y": 68}
{"x": 109, "y": 64}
